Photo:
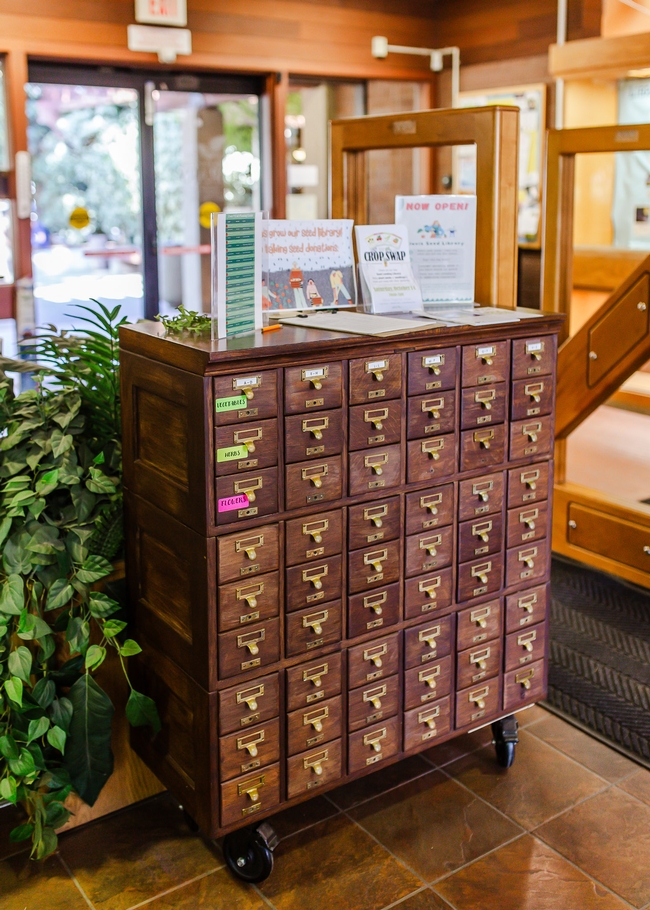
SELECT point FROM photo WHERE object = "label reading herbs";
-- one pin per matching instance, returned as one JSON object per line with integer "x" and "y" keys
{"x": 230, "y": 404}
{"x": 231, "y": 453}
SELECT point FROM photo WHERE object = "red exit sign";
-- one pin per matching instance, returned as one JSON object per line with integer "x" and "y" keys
{"x": 161, "y": 12}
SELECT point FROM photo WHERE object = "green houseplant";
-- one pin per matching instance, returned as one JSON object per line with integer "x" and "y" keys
{"x": 60, "y": 524}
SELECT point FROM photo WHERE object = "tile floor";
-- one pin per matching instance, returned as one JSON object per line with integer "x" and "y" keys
{"x": 566, "y": 828}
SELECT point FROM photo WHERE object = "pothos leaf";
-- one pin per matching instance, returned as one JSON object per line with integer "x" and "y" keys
{"x": 88, "y": 757}
{"x": 20, "y": 663}
{"x": 94, "y": 568}
{"x": 59, "y": 594}
{"x": 12, "y": 596}
{"x": 141, "y": 711}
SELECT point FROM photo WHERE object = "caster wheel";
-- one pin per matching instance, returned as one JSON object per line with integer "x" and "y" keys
{"x": 505, "y": 753}
{"x": 249, "y": 853}
{"x": 505, "y": 740}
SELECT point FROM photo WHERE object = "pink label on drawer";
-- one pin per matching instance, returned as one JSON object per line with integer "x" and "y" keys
{"x": 233, "y": 502}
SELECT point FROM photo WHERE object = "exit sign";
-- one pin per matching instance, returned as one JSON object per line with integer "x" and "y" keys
{"x": 161, "y": 12}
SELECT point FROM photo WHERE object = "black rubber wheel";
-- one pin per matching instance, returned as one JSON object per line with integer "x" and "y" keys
{"x": 247, "y": 855}
{"x": 505, "y": 753}
{"x": 506, "y": 738}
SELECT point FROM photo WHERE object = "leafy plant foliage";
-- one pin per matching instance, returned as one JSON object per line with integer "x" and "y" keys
{"x": 186, "y": 321}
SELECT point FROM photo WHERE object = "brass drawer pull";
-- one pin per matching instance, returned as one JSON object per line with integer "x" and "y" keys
{"x": 316, "y": 529}
{"x": 484, "y": 438}
{"x": 375, "y": 695}
{"x": 251, "y": 788}
{"x": 375, "y": 514}
{"x": 527, "y": 603}
{"x": 249, "y": 545}
{"x": 526, "y": 640}
{"x": 250, "y": 640}
{"x": 530, "y": 478}
{"x": 377, "y": 368}
{"x": 248, "y": 438}
{"x": 374, "y": 655}
{"x": 433, "y": 448}
{"x": 433, "y": 363}
{"x": 250, "y": 593}
{"x": 249, "y": 696}
{"x": 486, "y": 354}
{"x": 532, "y": 430}
{"x": 376, "y": 417}
{"x": 485, "y": 397}
{"x": 249, "y": 487}
{"x": 376, "y": 462}
{"x": 480, "y": 617}
{"x": 535, "y": 349}
{"x": 431, "y": 502}
{"x": 480, "y": 658}
{"x": 534, "y": 391}
{"x": 315, "y": 426}
{"x": 524, "y": 678}
{"x": 315, "y": 674}
{"x": 315, "y": 574}
{"x": 315, "y": 621}
{"x": 428, "y": 637}
{"x": 482, "y": 530}
{"x": 316, "y": 761}
{"x": 429, "y": 586}
{"x": 528, "y": 518}
{"x": 374, "y": 739}
{"x": 429, "y": 676}
{"x": 483, "y": 490}
{"x": 429, "y": 717}
{"x": 478, "y": 696}
{"x": 375, "y": 559}
{"x": 528, "y": 557}
{"x": 315, "y": 376}
{"x": 646, "y": 550}
{"x": 246, "y": 385}
{"x": 433, "y": 406}
{"x": 482, "y": 572}
{"x": 375, "y": 601}
{"x": 315, "y": 474}
{"x": 250, "y": 743}
{"x": 315, "y": 719}
{"x": 430, "y": 544}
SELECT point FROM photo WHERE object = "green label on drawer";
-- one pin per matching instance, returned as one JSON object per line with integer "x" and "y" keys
{"x": 230, "y": 453}
{"x": 230, "y": 404}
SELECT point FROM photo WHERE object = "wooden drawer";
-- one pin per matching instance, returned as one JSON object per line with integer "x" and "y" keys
{"x": 479, "y": 624}
{"x": 429, "y": 459}
{"x": 374, "y": 660}
{"x": 373, "y": 522}
{"x": 477, "y": 663}
{"x": 428, "y": 642}
{"x": 375, "y": 425}
{"x": 315, "y": 537}
{"x": 526, "y": 608}
{"x": 480, "y": 496}
{"x": 246, "y": 649}
{"x": 312, "y": 387}
{"x": 533, "y": 356}
{"x": 528, "y": 563}
{"x": 525, "y": 646}
{"x": 249, "y": 703}
{"x": 529, "y": 484}
{"x": 484, "y": 405}
{"x": 313, "y": 682}
{"x": 247, "y": 601}
{"x": 367, "y": 748}
{"x": 313, "y": 436}
{"x": 627, "y": 542}
{"x": 245, "y": 396}
{"x": 479, "y": 577}
{"x": 246, "y": 448}
{"x": 429, "y": 550}
{"x": 375, "y": 378}
{"x": 370, "y": 704}
{"x": 478, "y": 702}
{"x": 375, "y": 469}
{"x": 313, "y": 583}
{"x": 425, "y": 684}
{"x": 375, "y": 610}
{"x": 313, "y": 628}
{"x": 247, "y": 495}
{"x": 431, "y": 370}
{"x": 248, "y": 553}
{"x": 309, "y": 727}
{"x": 374, "y": 566}
{"x": 245, "y": 796}
{"x": 531, "y": 438}
{"x": 311, "y": 482}
{"x": 480, "y": 537}
{"x": 527, "y": 523}
{"x": 524, "y": 686}
{"x": 430, "y": 509}
{"x": 532, "y": 397}
{"x": 244, "y": 751}
{"x": 431, "y": 415}
{"x": 424, "y": 724}
{"x": 481, "y": 448}
{"x": 486, "y": 363}
{"x": 314, "y": 769}
{"x": 429, "y": 594}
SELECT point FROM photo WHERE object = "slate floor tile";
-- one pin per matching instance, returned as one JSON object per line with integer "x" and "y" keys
{"x": 28, "y": 885}
{"x": 217, "y": 891}
{"x": 638, "y": 785}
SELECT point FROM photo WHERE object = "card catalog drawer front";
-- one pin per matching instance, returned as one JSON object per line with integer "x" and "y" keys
{"x": 482, "y": 448}
{"x": 307, "y": 772}
{"x": 309, "y": 727}
{"x": 429, "y": 459}
{"x": 246, "y": 448}
{"x": 527, "y": 563}
{"x": 241, "y": 496}
{"x": 373, "y": 425}
{"x": 373, "y": 660}
{"x": 314, "y": 538}
{"x": 531, "y": 438}
{"x": 309, "y": 436}
{"x": 426, "y": 724}
{"x": 423, "y": 685}
{"x": 526, "y": 608}
{"x": 312, "y": 482}
{"x": 480, "y": 537}
{"x": 532, "y": 397}
{"x": 483, "y": 405}
{"x": 312, "y": 388}
{"x": 430, "y": 593}
{"x": 249, "y": 703}
{"x": 423, "y": 644}
{"x": 524, "y": 686}
{"x": 241, "y": 397}
{"x": 313, "y": 583}
{"x": 246, "y": 649}
{"x": 313, "y": 628}
{"x": 248, "y": 553}
{"x": 431, "y": 415}
{"x": 375, "y": 609}
{"x": 313, "y": 682}
{"x": 373, "y": 566}
{"x": 476, "y": 703}
{"x": 479, "y": 624}
{"x": 369, "y": 747}
{"x": 525, "y": 646}
{"x": 246, "y": 750}
{"x": 375, "y": 469}
{"x": 533, "y": 356}
{"x": 480, "y": 662}
{"x": 374, "y": 522}
{"x": 250, "y": 794}
{"x": 429, "y": 551}
{"x": 486, "y": 363}
{"x": 432, "y": 508}
{"x": 373, "y": 703}
{"x": 479, "y": 577}
{"x": 480, "y": 496}
{"x": 251, "y": 600}
{"x": 429, "y": 371}
{"x": 528, "y": 485}
{"x": 375, "y": 378}
{"x": 527, "y": 523}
